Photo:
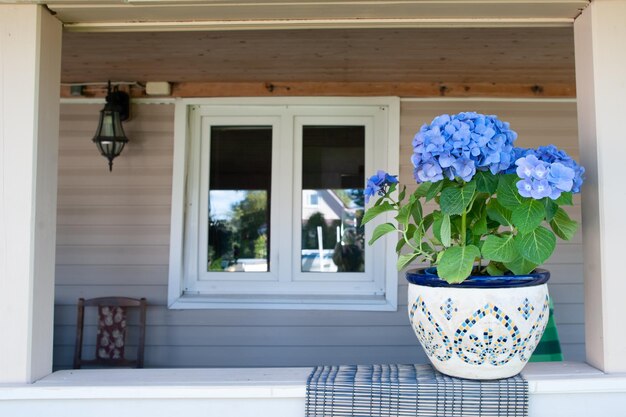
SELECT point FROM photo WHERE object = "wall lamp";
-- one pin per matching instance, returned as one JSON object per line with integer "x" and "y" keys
{"x": 110, "y": 137}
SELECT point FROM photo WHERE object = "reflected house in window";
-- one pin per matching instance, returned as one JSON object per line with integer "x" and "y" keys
{"x": 326, "y": 216}
{"x": 333, "y": 160}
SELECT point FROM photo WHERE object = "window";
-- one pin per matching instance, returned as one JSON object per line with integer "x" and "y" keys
{"x": 267, "y": 204}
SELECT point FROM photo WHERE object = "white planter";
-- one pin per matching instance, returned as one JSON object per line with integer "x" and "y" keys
{"x": 479, "y": 333}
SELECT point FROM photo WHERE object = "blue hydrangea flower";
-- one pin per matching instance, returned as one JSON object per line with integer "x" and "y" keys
{"x": 429, "y": 171}
{"x": 551, "y": 154}
{"x": 378, "y": 183}
{"x": 526, "y": 166}
{"x": 456, "y": 146}
{"x": 464, "y": 168}
{"x": 541, "y": 189}
{"x": 524, "y": 187}
{"x": 561, "y": 177}
{"x": 547, "y": 165}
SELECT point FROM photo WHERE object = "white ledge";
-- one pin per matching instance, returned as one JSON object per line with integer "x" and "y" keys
{"x": 574, "y": 389}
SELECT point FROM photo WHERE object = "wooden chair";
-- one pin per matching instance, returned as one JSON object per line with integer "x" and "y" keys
{"x": 111, "y": 334}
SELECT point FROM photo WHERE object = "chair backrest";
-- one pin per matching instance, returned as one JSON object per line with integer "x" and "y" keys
{"x": 111, "y": 333}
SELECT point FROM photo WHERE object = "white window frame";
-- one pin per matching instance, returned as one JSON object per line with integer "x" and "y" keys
{"x": 284, "y": 287}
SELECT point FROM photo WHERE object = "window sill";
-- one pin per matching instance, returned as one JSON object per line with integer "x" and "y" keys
{"x": 284, "y": 302}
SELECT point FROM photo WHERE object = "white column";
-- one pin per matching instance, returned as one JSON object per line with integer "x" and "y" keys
{"x": 30, "y": 65}
{"x": 600, "y": 37}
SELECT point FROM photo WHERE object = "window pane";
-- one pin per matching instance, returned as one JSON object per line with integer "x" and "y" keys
{"x": 333, "y": 160}
{"x": 239, "y": 198}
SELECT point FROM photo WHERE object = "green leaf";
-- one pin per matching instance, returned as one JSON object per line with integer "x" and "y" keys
{"x": 437, "y": 219}
{"x": 405, "y": 213}
{"x": 381, "y": 230}
{"x": 501, "y": 249}
{"x": 477, "y": 216}
{"x": 391, "y": 189}
{"x": 508, "y": 196}
{"x": 563, "y": 226}
{"x": 417, "y": 212}
{"x": 551, "y": 208}
{"x": 497, "y": 213}
{"x": 565, "y": 199}
{"x": 486, "y": 182}
{"x": 494, "y": 269}
{"x": 480, "y": 226}
{"x": 374, "y": 211}
{"x": 528, "y": 215}
{"x": 520, "y": 266}
{"x": 404, "y": 260}
{"x": 422, "y": 189}
{"x": 400, "y": 244}
{"x": 445, "y": 232}
{"x": 455, "y": 223}
{"x": 428, "y": 221}
{"x": 433, "y": 190}
{"x": 537, "y": 245}
{"x": 402, "y": 193}
{"x": 410, "y": 231}
{"x": 425, "y": 247}
{"x": 456, "y": 263}
{"x": 454, "y": 200}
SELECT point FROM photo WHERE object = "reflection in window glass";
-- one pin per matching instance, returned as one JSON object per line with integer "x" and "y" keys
{"x": 239, "y": 198}
{"x": 333, "y": 159}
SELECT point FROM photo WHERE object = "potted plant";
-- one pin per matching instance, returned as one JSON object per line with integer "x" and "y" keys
{"x": 480, "y": 308}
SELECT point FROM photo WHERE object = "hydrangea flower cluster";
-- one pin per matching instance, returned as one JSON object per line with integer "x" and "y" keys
{"x": 458, "y": 145}
{"x": 466, "y": 158}
{"x": 547, "y": 172}
{"x": 378, "y": 183}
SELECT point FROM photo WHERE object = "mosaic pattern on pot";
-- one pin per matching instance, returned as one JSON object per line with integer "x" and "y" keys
{"x": 497, "y": 343}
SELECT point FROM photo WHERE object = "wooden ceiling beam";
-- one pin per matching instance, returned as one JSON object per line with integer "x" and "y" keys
{"x": 352, "y": 89}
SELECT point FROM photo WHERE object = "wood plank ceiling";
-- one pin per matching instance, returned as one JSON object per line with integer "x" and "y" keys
{"x": 492, "y": 56}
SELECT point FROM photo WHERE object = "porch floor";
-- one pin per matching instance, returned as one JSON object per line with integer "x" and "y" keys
{"x": 574, "y": 389}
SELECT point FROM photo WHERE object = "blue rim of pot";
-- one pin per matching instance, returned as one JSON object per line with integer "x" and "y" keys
{"x": 428, "y": 277}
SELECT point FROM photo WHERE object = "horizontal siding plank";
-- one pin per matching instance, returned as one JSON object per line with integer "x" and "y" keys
{"x": 569, "y": 313}
{"x": 88, "y": 158}
{"x": 571, "y": 333}
{"x": 119, "y": 275}
{"x": 574, "y": 352}
{"x": 148, "y": 215}
{"x": 69, "y": 294}
{"x": 112, "y": 255}
{"x": 114, "y": 196}
{"x": 121, "y": 176}
{"x": 80, "y": 141}
{"x": 96, "y": 235}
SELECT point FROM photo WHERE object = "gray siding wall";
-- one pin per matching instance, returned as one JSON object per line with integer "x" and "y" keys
{"x": 113, "y": 239}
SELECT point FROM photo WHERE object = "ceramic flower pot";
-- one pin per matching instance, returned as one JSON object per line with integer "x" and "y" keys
{"x": 484, "y": 328}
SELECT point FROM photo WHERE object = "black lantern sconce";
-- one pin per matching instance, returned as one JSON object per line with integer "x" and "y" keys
{"x": 110, "y": 138}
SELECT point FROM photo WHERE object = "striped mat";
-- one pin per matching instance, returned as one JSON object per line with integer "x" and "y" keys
{"x": 410, "y": 390}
